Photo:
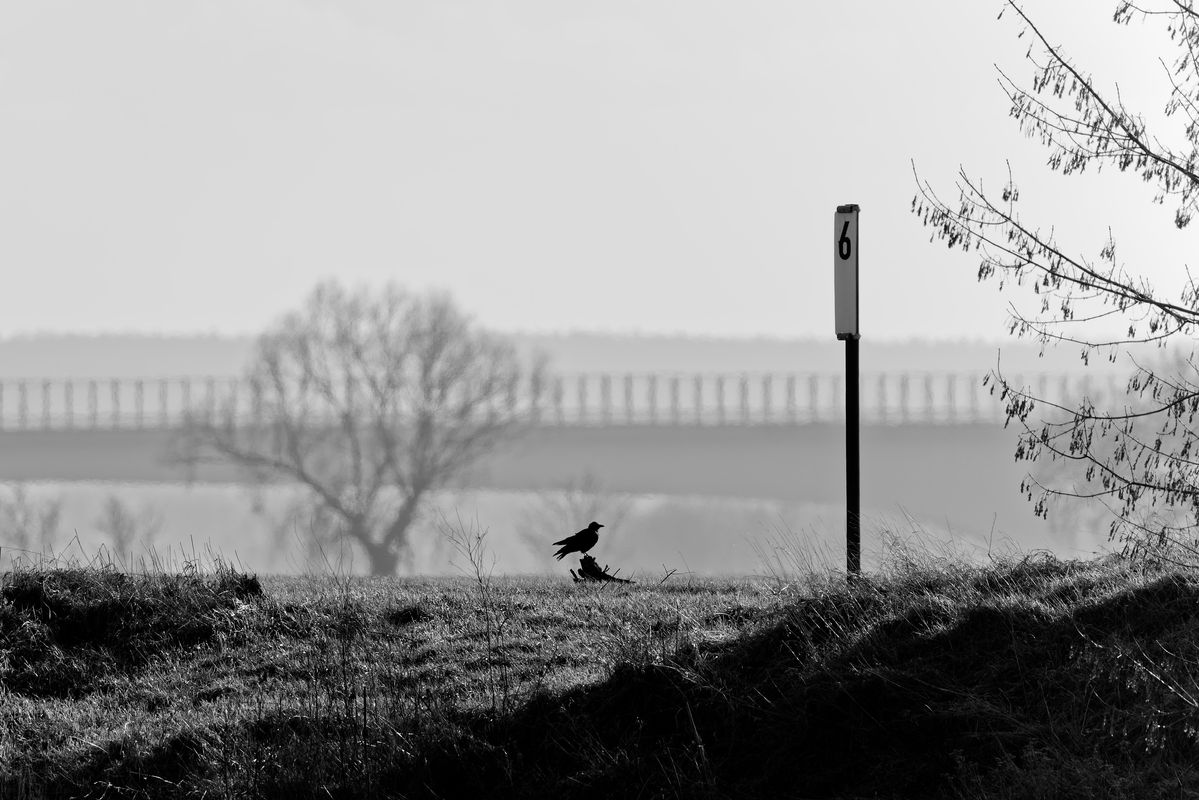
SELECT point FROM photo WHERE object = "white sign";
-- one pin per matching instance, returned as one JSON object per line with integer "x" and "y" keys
{"x": 845, "y": 270}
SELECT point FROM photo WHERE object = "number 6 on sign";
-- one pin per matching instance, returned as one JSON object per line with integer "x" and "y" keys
{"x": 845, "y": 270}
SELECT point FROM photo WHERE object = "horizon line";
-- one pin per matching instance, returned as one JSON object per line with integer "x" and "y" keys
{"x": 51, "y": 335}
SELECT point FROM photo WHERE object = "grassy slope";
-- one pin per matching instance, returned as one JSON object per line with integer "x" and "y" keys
{"x": 1035, "y": 678}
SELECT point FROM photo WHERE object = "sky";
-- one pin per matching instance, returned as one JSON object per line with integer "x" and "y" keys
{"x": 653, "y": 166}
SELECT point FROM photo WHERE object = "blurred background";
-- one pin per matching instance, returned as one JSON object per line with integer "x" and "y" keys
{"x": 710, "y": 456}
{"x": 638, "y": 193}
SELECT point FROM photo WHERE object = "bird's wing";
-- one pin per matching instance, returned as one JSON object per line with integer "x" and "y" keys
{"x": 575, "y": 537}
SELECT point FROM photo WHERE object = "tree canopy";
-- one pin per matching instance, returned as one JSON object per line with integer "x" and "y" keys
{"x": 368, "y": 401}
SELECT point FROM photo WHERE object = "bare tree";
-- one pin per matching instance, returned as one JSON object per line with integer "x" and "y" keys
{"x": 1133, "y": 452}
{"x": 26, "y": 523}
{"x": 369, "y": 401}
{"x": 123, "y": 526}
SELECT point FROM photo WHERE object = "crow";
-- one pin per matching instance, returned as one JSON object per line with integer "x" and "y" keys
{"x": 581, "y": 542}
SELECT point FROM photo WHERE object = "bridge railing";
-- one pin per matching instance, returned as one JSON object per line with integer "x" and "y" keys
{"x": 570, "y": 399}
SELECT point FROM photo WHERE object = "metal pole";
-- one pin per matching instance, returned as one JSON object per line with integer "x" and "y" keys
{"x": 853, "y": 485}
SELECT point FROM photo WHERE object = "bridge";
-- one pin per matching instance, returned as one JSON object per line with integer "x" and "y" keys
{"x": 744, "y": 399}
{"x": 931, "y": 443}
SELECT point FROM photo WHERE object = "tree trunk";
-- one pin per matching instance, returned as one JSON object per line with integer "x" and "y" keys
{"x": 384, "y": 560}
{"x": 394, "y": 549}
{"x": 397, "y": 532}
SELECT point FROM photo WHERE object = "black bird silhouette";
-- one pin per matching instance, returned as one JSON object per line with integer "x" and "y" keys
{"x": 581, "y": 542}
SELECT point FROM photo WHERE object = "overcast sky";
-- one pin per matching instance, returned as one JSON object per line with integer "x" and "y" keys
{"x": 625, "y": 165}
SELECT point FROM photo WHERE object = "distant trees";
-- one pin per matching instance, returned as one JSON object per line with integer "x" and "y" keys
{"x": 368, "y": 401}
{"x": 28, "y": 523}
{"x": 124, "y": 527}
{"x": 556, "y": 513}
{"x": 1136, "y": 452}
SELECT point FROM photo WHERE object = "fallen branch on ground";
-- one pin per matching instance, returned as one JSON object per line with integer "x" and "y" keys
{"x": 589, "y": 570}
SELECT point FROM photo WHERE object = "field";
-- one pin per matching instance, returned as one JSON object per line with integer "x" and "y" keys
{"x": 709, "y": 536}
{"x": 1028, "y": 677}
{"x": 645, "y": 532}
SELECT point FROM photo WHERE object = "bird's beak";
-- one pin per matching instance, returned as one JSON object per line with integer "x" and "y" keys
{"x": 599, "y": 526}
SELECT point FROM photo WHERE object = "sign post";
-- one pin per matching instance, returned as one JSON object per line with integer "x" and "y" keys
{"x": 845, "y": 285}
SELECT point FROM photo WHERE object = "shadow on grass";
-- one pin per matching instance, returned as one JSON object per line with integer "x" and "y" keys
{"x": 63, "y": 631}
{"x": 999, "y": 683}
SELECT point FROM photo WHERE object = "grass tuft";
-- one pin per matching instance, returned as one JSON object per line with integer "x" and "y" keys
{"x": 930, "y": 679}
{"x": 412, "y": 614}
{"x": 66, "y": 630}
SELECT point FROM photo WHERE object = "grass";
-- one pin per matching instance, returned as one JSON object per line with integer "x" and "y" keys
{"x": 1029, "y": 677}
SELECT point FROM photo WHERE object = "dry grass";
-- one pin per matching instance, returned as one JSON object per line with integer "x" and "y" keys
{"x": 1026, "y": 678}
{"x": 213, "y": 681}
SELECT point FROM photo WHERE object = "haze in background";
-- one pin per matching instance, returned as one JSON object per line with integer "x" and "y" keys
{"x": 624, "y": 166}
{"x": 930, "y": 489}
{"x": 631, "y": 186}
{"x": 81, "y": 357}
